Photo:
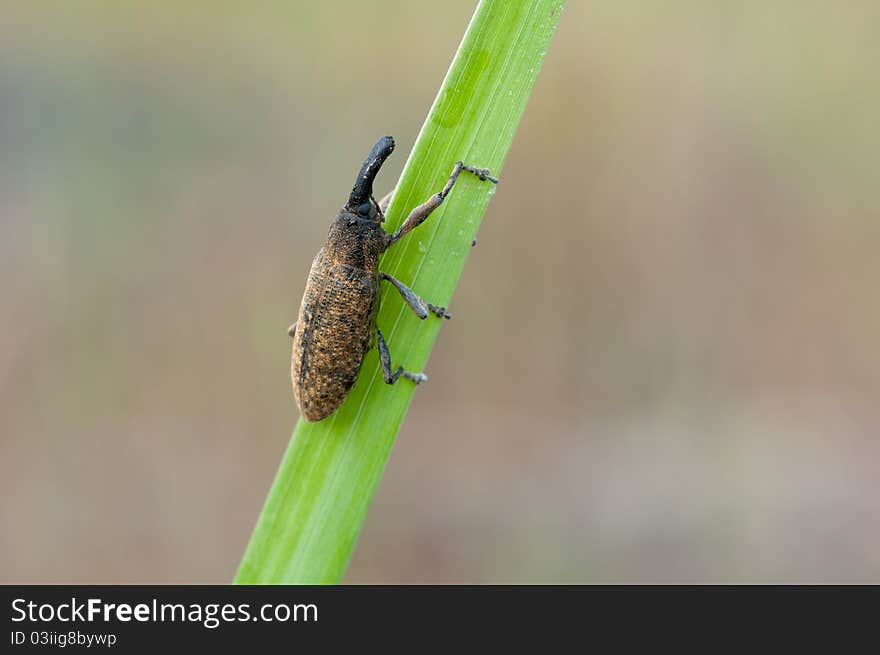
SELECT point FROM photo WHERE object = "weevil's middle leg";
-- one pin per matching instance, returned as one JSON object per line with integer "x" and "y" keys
{"x": 419, "y": 306}
{"x": 418, "y": 215}
{"x": 385, "y": 359}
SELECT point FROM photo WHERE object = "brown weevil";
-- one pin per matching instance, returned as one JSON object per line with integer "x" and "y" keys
{"x": 337, "y": 317}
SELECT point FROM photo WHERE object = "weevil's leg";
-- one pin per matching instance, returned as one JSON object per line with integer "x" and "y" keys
{"x": 419, "y": 306}
{"x": 418, "y": 215}
{"x": 292, "y": 330}
{"x": 385, "y": 360}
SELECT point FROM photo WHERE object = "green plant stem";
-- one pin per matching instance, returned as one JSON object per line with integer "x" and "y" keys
{"x": 323, "y": 488}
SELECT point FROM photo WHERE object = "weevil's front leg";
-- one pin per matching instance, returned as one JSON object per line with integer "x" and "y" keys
{"x": 419, "y": 306}
{"x": 385, "y": 359}
{"x": 418, "y": 215}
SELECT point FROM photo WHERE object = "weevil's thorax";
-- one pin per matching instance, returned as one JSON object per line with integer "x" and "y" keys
{"x": 356, "y": 241}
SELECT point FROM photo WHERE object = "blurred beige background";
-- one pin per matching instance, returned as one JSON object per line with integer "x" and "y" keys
{"x": 663, "y": 364}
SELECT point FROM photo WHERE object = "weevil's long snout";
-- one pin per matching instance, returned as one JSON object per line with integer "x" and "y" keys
{"x": 363, "y": 186}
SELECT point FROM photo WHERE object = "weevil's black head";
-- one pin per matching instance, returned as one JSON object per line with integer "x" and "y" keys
{"x": 361, "y": 200}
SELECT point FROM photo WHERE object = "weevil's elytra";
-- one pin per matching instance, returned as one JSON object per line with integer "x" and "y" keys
{"x": 337, "y": 317}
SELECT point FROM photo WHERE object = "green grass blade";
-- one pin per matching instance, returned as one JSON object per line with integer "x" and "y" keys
{"x": 323, "y": 488}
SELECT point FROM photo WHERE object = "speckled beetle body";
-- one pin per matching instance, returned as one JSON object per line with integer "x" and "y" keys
{"x": 337, "y": 317}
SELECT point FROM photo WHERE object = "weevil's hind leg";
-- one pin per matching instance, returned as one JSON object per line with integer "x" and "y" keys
{"x": 292, "y": 330}
{"x": 419, "y": 306}
{"x": 418, "y": 215}
{"x": 385, "y": 359}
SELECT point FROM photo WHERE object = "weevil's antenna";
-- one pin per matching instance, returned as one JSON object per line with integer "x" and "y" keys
{"x": 363, "y": 186}
{"x": 380, "y": 215}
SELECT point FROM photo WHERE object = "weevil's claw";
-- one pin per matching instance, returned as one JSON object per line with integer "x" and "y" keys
{"x": 418, "y": 378}
{"x": 482, "y": 173}
{"x": 439, "y": 311}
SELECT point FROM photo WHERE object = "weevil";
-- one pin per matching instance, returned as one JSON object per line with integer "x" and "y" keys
{"x": 337, "y": 326}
